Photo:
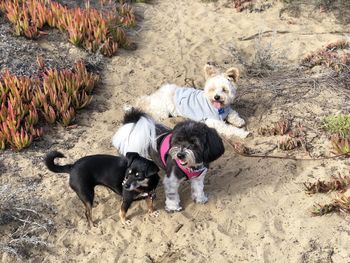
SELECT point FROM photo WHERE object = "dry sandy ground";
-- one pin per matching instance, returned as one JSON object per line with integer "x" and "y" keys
{"x": 257, "y": 209}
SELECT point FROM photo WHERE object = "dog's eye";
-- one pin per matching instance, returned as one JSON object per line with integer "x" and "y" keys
{"x": 224, "y": 89}
{"x": 193, "y": 142}
{"x": 130, "y": 171}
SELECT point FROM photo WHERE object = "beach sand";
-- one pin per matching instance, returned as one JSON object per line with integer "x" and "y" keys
{"x": 258, "y": 210}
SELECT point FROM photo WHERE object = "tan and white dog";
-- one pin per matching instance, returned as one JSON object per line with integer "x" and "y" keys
{"x": 211, "y": 105}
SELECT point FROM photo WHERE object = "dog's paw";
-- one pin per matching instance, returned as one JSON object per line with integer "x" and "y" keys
{"x": 244, "y": 134}
{"x": 173, "y": 209}
{"x": 92, "y": 224}
{"x": 154, "y": 214}
{"x": 127, "y": 108}
{"x": 126, "y": 222}
{"x": 239, "y": 122}
{"x": 201, "y": 200}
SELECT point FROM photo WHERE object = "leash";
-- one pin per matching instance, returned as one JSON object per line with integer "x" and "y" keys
{"x": 243, "y": 149}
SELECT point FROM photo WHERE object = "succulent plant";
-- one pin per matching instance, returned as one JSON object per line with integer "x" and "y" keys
{"x": 329, "y": 56}
{"x": 53, "y": 97}
{"x": 87, "y": 28}
{"x": 339, "y": 204}
{"x": 279, "y": 128}
{"x": 340, "y": 144}
{"x": 337, "y": 183}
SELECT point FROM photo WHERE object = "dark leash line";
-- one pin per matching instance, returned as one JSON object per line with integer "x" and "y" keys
{"x": 283, "y": 157}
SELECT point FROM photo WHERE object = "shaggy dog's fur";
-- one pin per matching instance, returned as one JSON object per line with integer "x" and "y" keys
{"x": 211, "y": 105}
{"x": 193, "y": 145}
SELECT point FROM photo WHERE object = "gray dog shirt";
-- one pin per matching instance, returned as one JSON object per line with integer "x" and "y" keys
{"x": 192, "y": 103}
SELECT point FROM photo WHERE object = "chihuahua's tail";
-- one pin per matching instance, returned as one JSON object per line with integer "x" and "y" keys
{"x": 137, "y": 134}
{"x": 50, "y": 163}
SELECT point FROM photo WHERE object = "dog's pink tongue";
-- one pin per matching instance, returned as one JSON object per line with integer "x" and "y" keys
{"x": 217, "y": 105}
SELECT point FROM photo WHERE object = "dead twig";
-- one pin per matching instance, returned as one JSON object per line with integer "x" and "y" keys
{"x": 177, "y": 229}
{"x": 268, "y": 32}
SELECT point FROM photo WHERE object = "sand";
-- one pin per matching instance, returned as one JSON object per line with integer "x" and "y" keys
{"x": 257, "y": 209}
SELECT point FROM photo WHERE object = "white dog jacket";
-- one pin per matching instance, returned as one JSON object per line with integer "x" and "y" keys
{"x": 192, "y": 103}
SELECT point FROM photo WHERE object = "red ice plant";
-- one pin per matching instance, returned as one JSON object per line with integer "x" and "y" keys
{"x": 330, "y": 56}
{"x": 88, "y": 28}
{"x": 54, "y": 96}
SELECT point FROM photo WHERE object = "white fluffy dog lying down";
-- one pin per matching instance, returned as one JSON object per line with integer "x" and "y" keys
{"x": 211, "y": 105}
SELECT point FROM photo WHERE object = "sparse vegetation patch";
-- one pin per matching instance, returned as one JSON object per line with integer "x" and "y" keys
{"x": 339, "y": 204}
{"x": 54, "y": 95}
{"x": 335, "y": 55}
{"x": 337, "y": 183}
{"x": 340, "y": 144}
{"x": 251, "y": 5}
{"x": 278, "y": 128}
{"x": 88, "y": 28}
{"x": 338, "y": 124}
{"x": 25, "y": 224}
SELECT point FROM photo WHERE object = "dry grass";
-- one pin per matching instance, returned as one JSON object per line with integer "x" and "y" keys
{"x": 250, "y": 5}
{"x": 263, "y": 62}
{"x": 318, "y": 9}
{"x": 341, "y": 203}
{"x": 24, "y": 222}
{"x": 337, "y": 183}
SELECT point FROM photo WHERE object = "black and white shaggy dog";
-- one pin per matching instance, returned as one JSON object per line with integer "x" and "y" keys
{"x": 183, "y": 152}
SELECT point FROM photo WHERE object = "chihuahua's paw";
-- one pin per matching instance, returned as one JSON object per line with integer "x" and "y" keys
{"x": 92, "y": 224}
{"x": 154, "y": 214}
{"x": 126, "y": 222}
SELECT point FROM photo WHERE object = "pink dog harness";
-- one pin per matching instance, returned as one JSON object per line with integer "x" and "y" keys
{"x": 164, "y": 149}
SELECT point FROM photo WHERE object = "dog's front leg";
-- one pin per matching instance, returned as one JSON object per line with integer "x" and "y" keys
{"x": 234, "y": 119}
{"x": 171, "y": 189}
{"x": 226, "y": 129}
{"x": 197, "y": 189}
{"x": 151, "y": 211}
{"x": 127, "y": 200}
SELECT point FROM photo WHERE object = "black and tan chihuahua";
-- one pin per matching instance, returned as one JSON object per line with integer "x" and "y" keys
{"x": 132, "y": 176}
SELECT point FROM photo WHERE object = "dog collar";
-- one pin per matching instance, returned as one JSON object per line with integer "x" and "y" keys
{"x": 164, "y": 149}
{"x": 221, "y": 111}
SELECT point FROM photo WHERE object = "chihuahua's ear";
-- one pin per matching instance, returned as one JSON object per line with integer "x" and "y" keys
{"x": 210, "y": 71}
{"x": 130, "y": 156}
{"x": 233, "y": 74}
{"x": 152, "y": 169}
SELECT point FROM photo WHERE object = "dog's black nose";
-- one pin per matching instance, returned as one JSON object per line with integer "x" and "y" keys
{"x": 181, "y": 155}
{"x": 217, "y": 97}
